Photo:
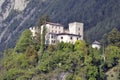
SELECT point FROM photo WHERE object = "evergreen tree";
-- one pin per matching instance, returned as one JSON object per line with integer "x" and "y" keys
{"x": 24, "y": 41}
{"x": 43, "y": 39}
{"x": 43, "y": 21}
{"x": 112, "y": 38}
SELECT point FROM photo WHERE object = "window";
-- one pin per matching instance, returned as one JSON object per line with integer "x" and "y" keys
{"x": 61, "y": 37}
{"x": 53, "y": 41}
{"x": 77, "y": 38}
{"x": 51, "y": 36}
{"x": 71, "y": 37}
{"x": 79, "y": 29}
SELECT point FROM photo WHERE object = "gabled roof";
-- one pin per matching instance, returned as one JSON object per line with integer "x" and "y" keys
{"x": 96, "y": 42}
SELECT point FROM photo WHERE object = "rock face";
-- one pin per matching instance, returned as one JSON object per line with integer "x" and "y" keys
{"x": 15, "y": 16}
{"x": 99, "y": 16}
{"x": 20, "y": 4}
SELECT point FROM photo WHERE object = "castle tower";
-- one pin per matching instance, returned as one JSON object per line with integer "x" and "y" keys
{"x": 76, "y": 28}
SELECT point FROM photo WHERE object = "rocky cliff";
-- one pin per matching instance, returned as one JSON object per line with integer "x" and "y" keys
{"x": 15, "y": 16}
{"x": 99, "y": 16}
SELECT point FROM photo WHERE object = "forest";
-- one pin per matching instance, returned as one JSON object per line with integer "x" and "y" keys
{"x": 99, "y": 17}
{"x": 31, "y": 59}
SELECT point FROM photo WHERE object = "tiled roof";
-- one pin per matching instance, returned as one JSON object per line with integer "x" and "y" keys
{"x": 55, "y": 24}
{"x": 96, "y": 42}
{"x": 69, "y": 34}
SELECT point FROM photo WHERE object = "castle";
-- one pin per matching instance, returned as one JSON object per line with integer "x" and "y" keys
{"x": 55, "y": 32}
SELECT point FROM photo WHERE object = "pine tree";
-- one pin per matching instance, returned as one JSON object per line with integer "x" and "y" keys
{"x": 43, "y": 22}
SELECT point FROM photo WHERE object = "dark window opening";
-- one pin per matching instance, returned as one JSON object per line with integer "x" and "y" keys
{"x": 77, "y": 38}
{"x": 61, "y": 37}
{"x": 71, "y": 38}
{"x": 51, "y": 36}
{"x": 53, "y": 41}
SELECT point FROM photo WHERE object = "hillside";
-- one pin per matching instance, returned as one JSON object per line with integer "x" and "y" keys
{"x": 30, "y": 60}
{"x": 99, "y": 16}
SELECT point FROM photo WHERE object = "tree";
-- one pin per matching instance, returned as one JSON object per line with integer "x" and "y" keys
{"x": 41, "y": 21}
{"x": 31, "y": 55}
{"x": 24, "y": 41}
{"x": 51, "y": 48}
{"x": 43, "y": 29}
{"x": 43, "y": 39}
{"x": 112, "y": 54}
{"x": 80, "y": 46}
{"x": 112, "y": 38}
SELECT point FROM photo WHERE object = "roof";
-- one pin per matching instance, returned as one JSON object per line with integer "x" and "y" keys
{"x": 52, "y": 33}
{"x": 96, "y": 42}
{"x": 76, "y": 23}
{"x": 55, "y": 24}
{"x": 69, "y": 34}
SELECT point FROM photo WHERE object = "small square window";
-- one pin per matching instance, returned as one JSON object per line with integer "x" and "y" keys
{"x": 51, "y": 36}
{"x": 79, "y": 29}
{"x": 53, "y": 41}
{"x": 77, "y": 38}
{"x": 71, "y": 38}
{"x": 61, "y": 37}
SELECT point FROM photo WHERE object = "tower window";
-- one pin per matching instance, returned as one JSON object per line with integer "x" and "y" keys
{"x": 71, "y": 38}
{"x": 79, "y": 29}
{"x": 51, "y": 36}
{"x": 77, "y": 38}
{"x": 61, "y": 37}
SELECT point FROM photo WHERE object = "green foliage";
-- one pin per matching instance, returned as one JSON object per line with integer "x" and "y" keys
{"x": 65, "y": 46}
{"x": 51, "y": 48}
{"x": 92, "y": 72}
{"x": 113, "y": 37}
{"x": 31, "y": 55}
{"x": 80, "y": 46}
{"x": 43, "y": 39}
{"x": 69, "y": 77}
{"x": 24, "y": 41}
{"x": 81, "y": 62}
{"x": 112, "y": 54}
